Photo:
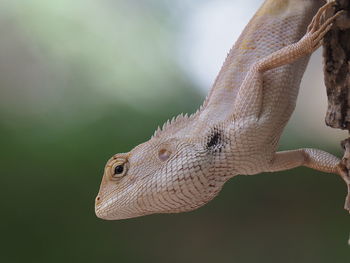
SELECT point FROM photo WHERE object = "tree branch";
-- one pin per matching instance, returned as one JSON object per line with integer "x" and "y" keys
{"x": 336, "y": 53}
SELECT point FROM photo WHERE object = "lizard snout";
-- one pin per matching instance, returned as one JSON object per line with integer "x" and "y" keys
{"x": 98, "y": 212}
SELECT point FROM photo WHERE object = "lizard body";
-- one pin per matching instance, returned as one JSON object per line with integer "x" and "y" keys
{"x": 237, "y": 129}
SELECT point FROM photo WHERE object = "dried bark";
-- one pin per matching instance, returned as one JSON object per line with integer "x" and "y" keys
{"x": 336, "y": 53}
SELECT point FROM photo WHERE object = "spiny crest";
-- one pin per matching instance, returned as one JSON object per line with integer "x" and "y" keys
{"x": 177, "y": 123}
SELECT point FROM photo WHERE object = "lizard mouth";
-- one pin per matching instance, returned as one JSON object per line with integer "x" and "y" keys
{"x": 116, "y": 208}
{"x": 106, "y": 213}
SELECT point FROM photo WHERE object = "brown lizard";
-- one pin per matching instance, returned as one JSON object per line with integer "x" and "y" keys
{"x": 236, "y": 130}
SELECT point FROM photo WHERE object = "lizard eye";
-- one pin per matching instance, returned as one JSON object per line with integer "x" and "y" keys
{"x": 119, "y": 170}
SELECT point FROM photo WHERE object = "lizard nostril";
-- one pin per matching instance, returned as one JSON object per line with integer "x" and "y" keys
{"x": 98, "y": 199}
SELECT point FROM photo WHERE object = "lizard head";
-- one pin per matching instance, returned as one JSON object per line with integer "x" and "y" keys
{"x": 170, "y": 173}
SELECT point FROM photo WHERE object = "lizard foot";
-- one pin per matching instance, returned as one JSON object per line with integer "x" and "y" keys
{"x": 344, "y": 170}
{"x": 319, "y": 26}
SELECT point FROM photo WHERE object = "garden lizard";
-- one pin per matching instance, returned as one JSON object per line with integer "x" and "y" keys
{"x": 237, "y": 129}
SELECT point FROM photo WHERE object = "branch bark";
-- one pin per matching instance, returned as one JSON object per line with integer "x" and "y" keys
{"x": 336, "y": 53}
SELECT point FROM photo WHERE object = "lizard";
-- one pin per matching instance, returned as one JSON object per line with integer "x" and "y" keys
{"x": 237, "y": 129}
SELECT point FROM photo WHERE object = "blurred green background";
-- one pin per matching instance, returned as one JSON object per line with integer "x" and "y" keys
{"x": 82, "y": 80}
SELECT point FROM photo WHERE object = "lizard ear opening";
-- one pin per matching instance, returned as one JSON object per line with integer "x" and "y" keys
{"x": 164, "y": 154}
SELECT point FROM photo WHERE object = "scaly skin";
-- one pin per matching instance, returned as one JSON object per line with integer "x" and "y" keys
{"x": 236, "y": 131}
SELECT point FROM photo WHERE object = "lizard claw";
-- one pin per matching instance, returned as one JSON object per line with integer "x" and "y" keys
{"x": 319, "y": 27}
{"x": 317, "y": 18}
{"x": 344, "y": 171}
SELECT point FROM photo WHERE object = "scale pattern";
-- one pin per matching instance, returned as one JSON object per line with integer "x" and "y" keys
{"x": 236, "y": 131}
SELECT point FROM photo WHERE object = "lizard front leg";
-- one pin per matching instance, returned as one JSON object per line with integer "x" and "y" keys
{"x": 250, "y": 96}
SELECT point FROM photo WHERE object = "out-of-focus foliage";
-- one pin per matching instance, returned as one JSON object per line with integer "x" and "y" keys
{"x": 82, "y": 80}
